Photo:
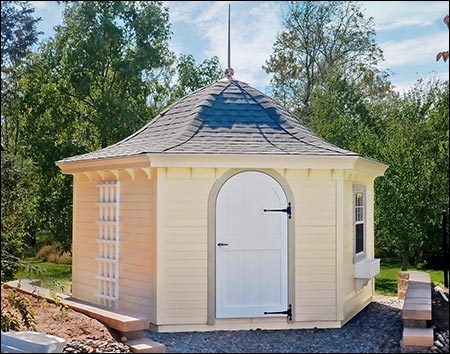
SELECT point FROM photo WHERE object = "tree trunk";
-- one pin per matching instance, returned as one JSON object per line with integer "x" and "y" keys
{"x": 405, "y": 260}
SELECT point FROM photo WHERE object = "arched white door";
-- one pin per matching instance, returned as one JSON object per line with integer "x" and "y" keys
{"x": 251, "y": 247}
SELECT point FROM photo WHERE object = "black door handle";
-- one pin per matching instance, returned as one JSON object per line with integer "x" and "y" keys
{"x": 220, "y": 244}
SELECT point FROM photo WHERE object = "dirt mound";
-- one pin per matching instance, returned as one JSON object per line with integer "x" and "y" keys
{"x": 60, "y": 321}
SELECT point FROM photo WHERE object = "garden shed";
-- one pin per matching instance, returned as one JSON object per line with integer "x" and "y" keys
{"x": 225, "y": 212}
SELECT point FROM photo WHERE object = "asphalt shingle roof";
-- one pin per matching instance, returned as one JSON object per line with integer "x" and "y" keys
{"x": 227, "y": 117}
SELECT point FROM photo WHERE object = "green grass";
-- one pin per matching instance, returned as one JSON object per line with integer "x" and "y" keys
{"x": 57, "y": 277}
{"x": 386, "y": 280}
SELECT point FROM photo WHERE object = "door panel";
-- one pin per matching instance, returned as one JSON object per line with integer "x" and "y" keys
{"x": 251, "y": 269}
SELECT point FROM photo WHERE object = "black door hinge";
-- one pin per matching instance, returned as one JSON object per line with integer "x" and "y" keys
{"x": 288, "y": 313}
{"x": 288, "y": 210}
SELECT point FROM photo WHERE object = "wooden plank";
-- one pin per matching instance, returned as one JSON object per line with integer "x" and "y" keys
{"x": 145, "y": 345}
{"x": 325, "y": 301}
{"x": 314, "y": 317}
{"x": 132, "y": 267}
{"x": 136, "y": 222}
{"x": 179, "y": 173}
{"x": 318, "y": 269}
{"x": 135, "y": 243}
{"x": 323, "y": 263}
{"x": 135, "y": 299}
{"x": 140, "y": 234}
{"x": 196, "y": 288}
{"x": 317, "y": 286}
{"x": 136, "y": 207}
{"x": 306, "y": 253}
{"x": 146, "y": 291}
{"x": 417, "y": 337}
{"x": 318, "y": 290}
{"x": 314, "y": 278}
{"x": 85, "y": 229}
{"x": 311, "y": 310}
{"x": 85, "y": 251}
{"x": 204, "y": 173}
{"x": 136, "y": 198}
{"x": 193, "y": 281}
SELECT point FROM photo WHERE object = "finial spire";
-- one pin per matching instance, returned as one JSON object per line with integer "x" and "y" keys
{"x": 229, "y": 72}
{"x": 229, "y": 40}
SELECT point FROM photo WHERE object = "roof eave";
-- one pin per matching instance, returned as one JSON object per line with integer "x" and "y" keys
{"x": 111, "y": 163}
{"x": 370, "y": 166}
{"x": 344, "y": 162}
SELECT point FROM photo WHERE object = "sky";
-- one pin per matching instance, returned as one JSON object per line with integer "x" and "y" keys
{"x": 410, "y": 33}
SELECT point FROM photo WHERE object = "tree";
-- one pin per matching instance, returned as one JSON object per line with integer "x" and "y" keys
{"x": 106, "y": 73}
{"x": 108, "y": 55}
{"x": 192, "y": 77}
{"x": 443, "y": 55}
{"x": 88, "y": 87}
{"x": 183, "y": 78}
{"x": 414, "y": 190}
{"x": 410, "y": 134}
{"x": 18, "y": 31}
{"x": 18, "y": 211}
{"x": 343, "y": 115}
{"x": 321, "y": 38}
{"x": 19, "y": 34}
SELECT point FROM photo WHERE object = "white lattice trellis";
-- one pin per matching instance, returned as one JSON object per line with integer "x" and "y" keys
{"x": 108, "y": 243}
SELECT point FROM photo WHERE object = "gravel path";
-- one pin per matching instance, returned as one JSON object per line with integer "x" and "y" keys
{"x": 376, "y": 329}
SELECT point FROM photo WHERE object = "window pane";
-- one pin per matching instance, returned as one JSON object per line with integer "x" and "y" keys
{"x": 359, "y": 199}
{"x": 359, "y": 247}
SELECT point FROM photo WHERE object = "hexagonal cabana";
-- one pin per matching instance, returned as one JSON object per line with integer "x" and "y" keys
{"x": 225, "y": 212}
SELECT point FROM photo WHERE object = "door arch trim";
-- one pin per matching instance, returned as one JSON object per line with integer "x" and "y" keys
{"x": 211, "y": 306}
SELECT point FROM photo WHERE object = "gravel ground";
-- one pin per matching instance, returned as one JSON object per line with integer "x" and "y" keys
{"x": 96, "y": 346}
{"x": 376, "y": 329}
{"x": 441, "y": 343}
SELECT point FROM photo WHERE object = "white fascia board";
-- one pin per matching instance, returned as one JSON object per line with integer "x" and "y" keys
{"x": 226, "y": 161}
{"x": 252, "y": 161}
{"x": 114, "y": 163}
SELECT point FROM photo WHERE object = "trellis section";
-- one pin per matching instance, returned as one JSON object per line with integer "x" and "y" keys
{"x": 108, "y": 243}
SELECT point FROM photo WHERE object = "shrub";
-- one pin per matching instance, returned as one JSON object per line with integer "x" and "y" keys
{"x": 52, "y": 254}
{"x": 17, "y": 312}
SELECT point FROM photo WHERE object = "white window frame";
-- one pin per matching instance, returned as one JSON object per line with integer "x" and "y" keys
{"x": 359, "y": 189}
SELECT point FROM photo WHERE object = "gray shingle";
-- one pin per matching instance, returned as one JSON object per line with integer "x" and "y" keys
{"x": 224, "y": 118}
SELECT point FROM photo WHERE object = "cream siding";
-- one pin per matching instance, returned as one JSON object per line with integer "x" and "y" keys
{"x": 354, "y": 300}
{"x": 183, "y": 195}
{"x": 315, "y": 261}
{"x": 137, "y": 241}
{"x": 138, "y": 244}
{"x": 84, "y": 245}
{"x": 164, "y": 244}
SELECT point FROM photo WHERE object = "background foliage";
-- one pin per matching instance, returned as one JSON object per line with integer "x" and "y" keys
{"x": 108, "y": 70}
